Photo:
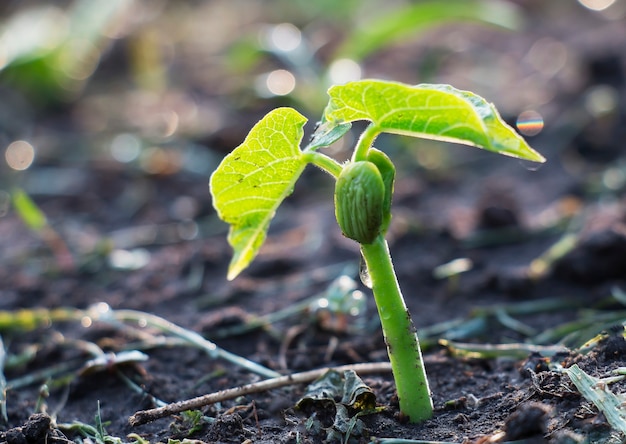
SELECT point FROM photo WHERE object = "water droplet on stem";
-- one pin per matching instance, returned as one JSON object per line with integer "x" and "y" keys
{"x": 364, "y": 273}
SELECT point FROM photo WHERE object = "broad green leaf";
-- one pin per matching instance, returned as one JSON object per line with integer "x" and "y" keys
{"x": 253, "y": 180}
{"x": 438, "y": 112}
{"x": 413, "y": 18}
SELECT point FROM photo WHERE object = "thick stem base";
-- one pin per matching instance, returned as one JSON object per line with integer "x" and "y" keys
{"x": 402, "y": 343}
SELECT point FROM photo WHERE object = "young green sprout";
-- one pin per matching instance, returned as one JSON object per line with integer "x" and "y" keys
{"x": 253, "y": 180}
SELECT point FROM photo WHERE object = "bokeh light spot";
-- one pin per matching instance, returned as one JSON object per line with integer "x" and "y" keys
{"x": 452, "y": 268}
{"x": 343, "y": 71}
{"x": 284, "y": 37}
{"x": 20, "y": 155}
{"x": 125, "y": 147}
{"x": 322, "y": 303}
{"x": 601, "y": 100}
{"x": 129, "y": 259}
{"x": 86, "y": 321}
{"x": 171, "y": 121}
{"x": 280, "y": 82}
{"x": 614, "y": 179}
{"x": 596, "y": 5}
{"x": 431, "y": 159}
{"x": 529, "y": 122}
{"x": 188, "y": 230}
{"x": 548, "y": 56}
{"x": 157, "y": 160}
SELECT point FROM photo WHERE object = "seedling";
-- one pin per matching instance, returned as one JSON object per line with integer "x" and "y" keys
{"x": 35, "y": 219}
{"x": 253, "y": 180}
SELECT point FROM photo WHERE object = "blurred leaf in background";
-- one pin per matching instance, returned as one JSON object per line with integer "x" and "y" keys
{"x": 28, "y": 211}
{"x": 48, "y": 53}
{"x": 413, "y": 18}
{"x": 306, "y": 58}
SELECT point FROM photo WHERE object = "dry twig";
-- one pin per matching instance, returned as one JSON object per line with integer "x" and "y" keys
{"x": 145, "y": 416}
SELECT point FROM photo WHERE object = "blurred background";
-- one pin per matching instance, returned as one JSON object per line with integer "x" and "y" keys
{"x": 113, "y": 114}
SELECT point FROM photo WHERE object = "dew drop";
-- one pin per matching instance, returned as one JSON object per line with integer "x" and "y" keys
{"x": 364, "y": 274}
{"x": 529, "y": 165}
{"x": 384, "y": 314}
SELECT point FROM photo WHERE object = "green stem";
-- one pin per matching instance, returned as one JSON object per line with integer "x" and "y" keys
{"x": 365, "y": 142}
{"x": 400, "y": 336}
{"x": 323, "y": 162}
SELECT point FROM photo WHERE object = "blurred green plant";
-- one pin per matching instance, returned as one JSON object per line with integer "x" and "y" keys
{"x": 94, "y": 433}
{"x": 29, "y": 212}
{"x": 414, "y": 18}
{"x": 35, "y": 219}
{"x": 365, "y": 30}
{"x": 252, "y": 181}
{"x": 189, "y": 423}
{"x": 48, "y": 53}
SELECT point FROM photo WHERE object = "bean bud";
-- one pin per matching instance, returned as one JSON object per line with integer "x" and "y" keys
{"x": 360, "y": 201}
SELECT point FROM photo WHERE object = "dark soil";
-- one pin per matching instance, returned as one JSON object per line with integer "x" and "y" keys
{"x": 547, "y": 244}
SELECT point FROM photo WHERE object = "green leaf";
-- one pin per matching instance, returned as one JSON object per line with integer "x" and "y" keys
{"x": 438, "y": 112}
{"x": 253, "y": 180}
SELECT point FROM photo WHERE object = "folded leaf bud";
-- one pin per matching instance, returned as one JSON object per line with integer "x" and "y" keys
{"x": 388, "y": 173}
{"x": 360, "y": 201}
